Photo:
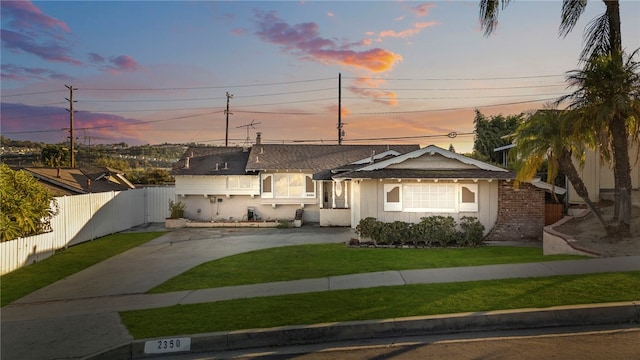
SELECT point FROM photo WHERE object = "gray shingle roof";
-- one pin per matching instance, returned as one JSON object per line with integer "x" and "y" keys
{"x": 317, "y": 159}
{"x": 212, "y": 161}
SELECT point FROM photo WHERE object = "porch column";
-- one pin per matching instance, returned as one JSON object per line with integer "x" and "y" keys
{"x": 333, "y": 195}
{"x": 321, "y": 190}
{"x": 346, "y": 195}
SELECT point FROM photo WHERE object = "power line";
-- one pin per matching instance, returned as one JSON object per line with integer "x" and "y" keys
{"x": 34, "y": 93}
{"x": 207, "y": 87}
{"x": 458, "y": 79}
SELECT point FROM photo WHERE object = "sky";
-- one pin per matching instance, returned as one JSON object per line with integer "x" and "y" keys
{"x": 153, "y": 72}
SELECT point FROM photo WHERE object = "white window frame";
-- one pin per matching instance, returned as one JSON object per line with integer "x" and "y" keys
{"x": 468, "y": 206}
{"x": 303, "y": 194}
{"x": 392, "y": 206}
{"x": 453, "y": 204}
{"x": 239, "y": 182}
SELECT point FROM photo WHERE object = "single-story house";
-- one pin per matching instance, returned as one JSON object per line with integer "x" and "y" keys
{"x": 75, "y": 181}
{"x": 338, "y": 185}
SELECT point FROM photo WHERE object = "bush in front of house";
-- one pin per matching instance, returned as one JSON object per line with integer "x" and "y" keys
{"x": 431, "y": 231}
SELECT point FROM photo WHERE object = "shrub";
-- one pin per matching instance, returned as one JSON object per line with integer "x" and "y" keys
{"x": 472, "y": 231}
{"x": 439, "y": 230}
{"x": 176, "y": 209}
{"x": 370, "y": 228}
{"x": 396, "y": 232}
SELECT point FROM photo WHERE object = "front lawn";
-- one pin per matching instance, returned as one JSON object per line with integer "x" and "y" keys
{"x": 383, "y": 303}
{"x": 28, "y": 279}
{"x": 322, "y": 260}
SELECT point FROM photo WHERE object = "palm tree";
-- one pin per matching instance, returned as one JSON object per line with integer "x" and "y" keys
{"x": 603, "y": 38}
{"x": 607, "y": 102}
{"x": 548, "y": 137}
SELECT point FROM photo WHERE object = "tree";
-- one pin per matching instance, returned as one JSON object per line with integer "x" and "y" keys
{"x": 491, "y": 133}
{"x": 54, "y": 156}
{"x": 603, "y": 38}
{"x": 607, "y": 102}
{"x": 547, "y": 136}
{"x": 26, "y": 207}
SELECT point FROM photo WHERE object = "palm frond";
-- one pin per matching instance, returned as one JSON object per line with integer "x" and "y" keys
{"x": 489, "y": 10}
{"x": 571, "y": 12}
{"x": 596, "y": 36}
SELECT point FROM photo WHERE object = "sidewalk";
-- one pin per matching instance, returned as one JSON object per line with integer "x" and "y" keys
{"x": 77, "y": 316}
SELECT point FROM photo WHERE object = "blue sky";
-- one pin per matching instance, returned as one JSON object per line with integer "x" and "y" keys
{"x": 158, "y": 71}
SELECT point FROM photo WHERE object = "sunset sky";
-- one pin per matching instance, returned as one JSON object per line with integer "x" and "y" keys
{"x": 158, "y": 71}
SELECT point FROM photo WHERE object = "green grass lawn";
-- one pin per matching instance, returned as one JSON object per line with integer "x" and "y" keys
{"x": 322, "y": 260}
{"x": 383, "y": 303}
{"x": 28, "y": 279}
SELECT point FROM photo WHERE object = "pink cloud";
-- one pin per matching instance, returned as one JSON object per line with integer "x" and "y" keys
{"x": 22, "y": 42}
{"x": 422, "y": 9}
{"x": 124, "y": 63}
{"x": 304, "y": 40}
{"x": 28, "y": 16}
{"x": 21, "y": 73}
{"x": 416, "y": 29}
{"x": 367, "y": 87}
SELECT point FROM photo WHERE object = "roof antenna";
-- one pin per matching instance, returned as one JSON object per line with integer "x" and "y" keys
{"x": 247, "y": 141}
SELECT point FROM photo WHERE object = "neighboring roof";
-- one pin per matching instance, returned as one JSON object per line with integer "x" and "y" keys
{"x": 209, "y": 160}
{"x": 68, "y": 181}
{"x": 547, "y": 187}
{"x": 468, "y": 168}
{"x": 317, "y": 159}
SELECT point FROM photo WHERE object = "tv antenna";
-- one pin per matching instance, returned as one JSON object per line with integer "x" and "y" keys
{"x": 247, "y": 140}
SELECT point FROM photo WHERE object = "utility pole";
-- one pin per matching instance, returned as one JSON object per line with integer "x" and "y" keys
{"x": 71, "y": 136}
{"x": 226, "y": 136}
{"x": 340, "y": 124}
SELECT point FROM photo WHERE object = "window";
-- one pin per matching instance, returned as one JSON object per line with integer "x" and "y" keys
{"x": 392, "y": 197}
{"x": 433, "y": 197}
{"x": 238, "y": 182}
{"x": 288, "y": 186}
{"x": 469, "y": 197}
{"x": 430, "y": 197}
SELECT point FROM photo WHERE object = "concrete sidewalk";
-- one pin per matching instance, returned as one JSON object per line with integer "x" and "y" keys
{"x": 77, "y": 316}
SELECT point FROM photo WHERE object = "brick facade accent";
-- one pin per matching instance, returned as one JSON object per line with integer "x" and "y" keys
{"x": 520, "y": 213}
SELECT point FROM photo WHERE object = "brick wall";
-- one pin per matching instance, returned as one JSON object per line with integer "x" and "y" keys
{"x": 520, "y": 213}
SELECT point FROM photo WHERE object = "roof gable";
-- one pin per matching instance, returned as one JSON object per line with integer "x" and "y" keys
{"x": 463, "y": 162}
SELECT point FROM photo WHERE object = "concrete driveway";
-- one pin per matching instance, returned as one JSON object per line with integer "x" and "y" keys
{"x": 77, "y": 316}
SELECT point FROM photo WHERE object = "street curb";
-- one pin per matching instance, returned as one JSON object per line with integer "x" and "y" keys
{"x": 575, "y": 315}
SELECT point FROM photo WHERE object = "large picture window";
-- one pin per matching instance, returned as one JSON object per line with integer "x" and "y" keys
{"x": 288, "y": 186}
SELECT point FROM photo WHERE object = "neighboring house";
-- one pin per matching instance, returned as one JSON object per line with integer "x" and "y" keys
{"x": 75, "y": 181}
{"x": 598, "y": 176}
{"x": 434, "y": 181}
{"x": 214, "y": 185}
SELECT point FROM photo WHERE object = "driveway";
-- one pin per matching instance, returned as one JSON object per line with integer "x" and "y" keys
{"x": 58, "y": 321}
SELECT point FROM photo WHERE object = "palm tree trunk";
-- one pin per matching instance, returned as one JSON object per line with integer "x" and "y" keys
{"x": 622, "y": 175}
{"x": 565, "y": 164}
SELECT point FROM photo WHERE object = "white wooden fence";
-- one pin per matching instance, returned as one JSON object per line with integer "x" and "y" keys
{"x": 86, "y": 217}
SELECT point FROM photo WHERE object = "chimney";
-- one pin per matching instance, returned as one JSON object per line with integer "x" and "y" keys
{"x": 373, "y": 155}
{"x": 258, "y": 138}
{"x": 58, "y": 172}
{"x": 186, "y": 162}
{"x": 217, "y": 167}
{"x": 226, "y": 167}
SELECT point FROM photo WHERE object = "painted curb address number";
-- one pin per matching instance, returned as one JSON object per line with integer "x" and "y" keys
{"x": 169, "y": 345}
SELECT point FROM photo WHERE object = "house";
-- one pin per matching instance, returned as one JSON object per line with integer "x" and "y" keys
{"x": 75, "y": 181}
{"x": 434, "y": 181}
{"x": 338, "y": 185}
